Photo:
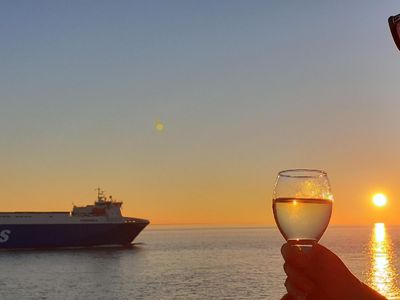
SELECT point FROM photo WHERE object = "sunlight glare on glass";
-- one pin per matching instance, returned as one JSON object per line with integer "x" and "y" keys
{"x": 379, "y": 199}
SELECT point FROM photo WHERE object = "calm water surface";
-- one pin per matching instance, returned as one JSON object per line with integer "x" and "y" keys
{"x": 182, "y": 263}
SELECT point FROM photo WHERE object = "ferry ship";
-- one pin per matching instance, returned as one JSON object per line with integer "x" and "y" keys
{"x": 100, "y": 224}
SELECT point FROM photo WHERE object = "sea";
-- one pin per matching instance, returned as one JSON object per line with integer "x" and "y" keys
{"x": 170, "y": 262}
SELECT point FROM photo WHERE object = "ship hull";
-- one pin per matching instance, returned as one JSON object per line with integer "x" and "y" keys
{"x": 16, "y": 236}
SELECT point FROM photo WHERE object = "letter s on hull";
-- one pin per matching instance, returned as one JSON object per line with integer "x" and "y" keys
{"x": 4, "y": 235}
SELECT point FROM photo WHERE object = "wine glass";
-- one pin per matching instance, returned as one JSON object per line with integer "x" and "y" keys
{"x": 302, "y": 205}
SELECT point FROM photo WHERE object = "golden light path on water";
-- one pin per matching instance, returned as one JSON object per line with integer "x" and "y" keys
{"x": 382, "y": 275}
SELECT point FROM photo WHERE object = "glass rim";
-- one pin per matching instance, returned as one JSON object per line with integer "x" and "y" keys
{"x": 302, "y": 173}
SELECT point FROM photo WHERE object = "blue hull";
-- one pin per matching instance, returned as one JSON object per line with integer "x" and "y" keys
{"x": 68, "y": 235}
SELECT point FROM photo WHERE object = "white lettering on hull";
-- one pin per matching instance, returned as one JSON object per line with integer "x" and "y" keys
{"x": 4, "y": 235}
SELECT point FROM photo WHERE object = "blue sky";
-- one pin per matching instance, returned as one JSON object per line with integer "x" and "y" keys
{"x": 244, "y": 88}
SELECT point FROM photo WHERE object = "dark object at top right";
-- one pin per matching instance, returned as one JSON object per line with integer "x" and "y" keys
{"x": 394, "y": 24}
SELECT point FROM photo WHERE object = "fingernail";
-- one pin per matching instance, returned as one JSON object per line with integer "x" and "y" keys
{"x": 297, "y": 247}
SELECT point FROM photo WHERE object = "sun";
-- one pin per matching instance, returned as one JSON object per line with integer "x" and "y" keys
{"x": 379, "y": 199}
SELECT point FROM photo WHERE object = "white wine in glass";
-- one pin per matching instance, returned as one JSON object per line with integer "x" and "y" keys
{"x": 302, "y": 205}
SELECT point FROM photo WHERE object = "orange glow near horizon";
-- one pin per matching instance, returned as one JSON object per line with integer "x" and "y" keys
{"x": 180, "y": 196}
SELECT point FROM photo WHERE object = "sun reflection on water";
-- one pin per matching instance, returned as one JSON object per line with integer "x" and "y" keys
{"x": 382, "y": 274}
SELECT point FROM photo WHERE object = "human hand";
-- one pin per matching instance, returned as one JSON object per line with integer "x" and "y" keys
{"x": 318, "y": 273}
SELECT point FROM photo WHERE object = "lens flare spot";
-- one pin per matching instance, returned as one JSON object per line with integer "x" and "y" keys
{"x": 159, "y": 126}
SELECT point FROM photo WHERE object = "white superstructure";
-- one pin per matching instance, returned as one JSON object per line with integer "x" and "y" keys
{"x": 102, "y": 211}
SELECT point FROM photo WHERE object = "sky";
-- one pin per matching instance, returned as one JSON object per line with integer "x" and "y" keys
{"x": 243, "y": 89}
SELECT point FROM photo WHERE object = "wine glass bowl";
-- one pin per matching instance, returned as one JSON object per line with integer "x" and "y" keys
{"x": 302, "y": 205}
